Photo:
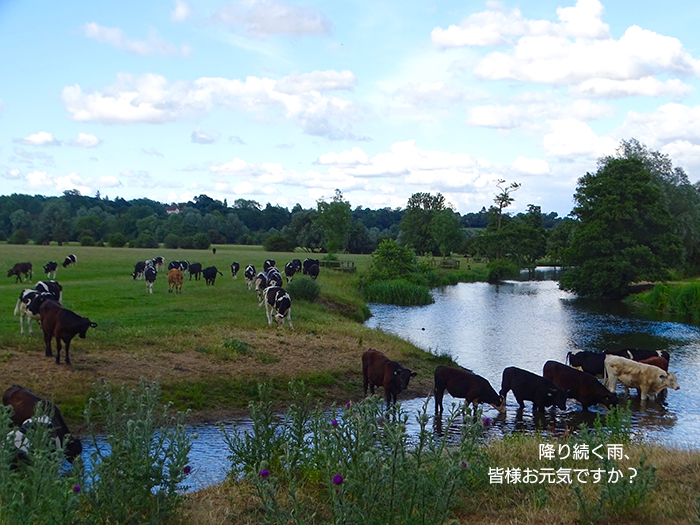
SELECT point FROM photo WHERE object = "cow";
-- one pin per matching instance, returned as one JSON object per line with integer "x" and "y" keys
{"x": 273, "y": 277}
{"x": 196, "y": 270}
{"x": 463, "y": 383}
{"x": 289, "y": 270}
{"x": 50, "y": 268}
{"x": 297, "y": 265}
{"x": 210, "y": 274}
{"x": 150, "y": 275}
{"x": 590, "y": 362}
{"x": 647, "y": 379}
{"x": 379, "y": 370}
{"x": 268, "y": 264}
{"x": 531, "y": 387}
{"x": 175, "y": 280}
{"x": 637, "y": 354}
{"x": 28, "y": 306}
{"x": 183, "y": 266}
{"x": 582, "y": 386}
{"x": 249, "y": 275}
{"x": 159, "y": 262}
{"x": 24, "y": 407}
{"x": 234, "y": 269}
{"x": 62, "y": 324}
{"x": 277, "y": 301}
{"x": 139, "y": 269}
{"x": 52, "y": 288}
{"x": 173, "y": 264}
{"x": 657, "y": 360}
{"x": 313, "y": 271}
{"x": 70, "y": 259}
{"x": 19, "y": 269}
{"x": 260, "y": 284}
{"x": 308, "y": 263}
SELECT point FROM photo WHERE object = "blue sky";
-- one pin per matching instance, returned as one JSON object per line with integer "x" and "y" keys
{"x": 283, "y": 101}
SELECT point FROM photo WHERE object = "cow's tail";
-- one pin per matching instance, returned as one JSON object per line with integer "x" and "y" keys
{"x": 609, "y": 378}
{"x": 568, "y": 358}
{"x": 17, "y": 306}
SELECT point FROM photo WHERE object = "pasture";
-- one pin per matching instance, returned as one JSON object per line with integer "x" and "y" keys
{"x": 208, "y": 347}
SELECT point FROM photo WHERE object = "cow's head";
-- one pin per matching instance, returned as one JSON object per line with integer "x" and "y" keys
{"x": 501, "y": 406}
{"x": 88, "y": 324}
{"x": 670, "y": 380}
{"x": 401, "y": 377}
{"x": 610, "y": 399}
{"x": 10, "y": 273}
{"x": 558, "y": 396}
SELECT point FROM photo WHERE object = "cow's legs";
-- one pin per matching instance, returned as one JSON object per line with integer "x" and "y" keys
{"x": 58, "y": 350}
{"x": 289, "y": 316}
{"x": 47, "y": 342}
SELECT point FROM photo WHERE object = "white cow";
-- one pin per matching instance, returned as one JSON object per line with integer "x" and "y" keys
{"x": 277, "y": 301}
{"x": 647, "y": 379}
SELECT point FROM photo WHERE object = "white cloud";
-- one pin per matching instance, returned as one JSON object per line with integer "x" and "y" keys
{"x": 151, "y": 98}
{"x": 668, "y": 123}
{"x": 345, "y": 158}
{"x": 646, "y": 87}
{"x": 86, "y": 140}
{"x": 264, "y": 18}
{"x": 530, "y": 112}
{"x": 203, "y": 137}
{"x": 527, "y": 166}
{"x": 10, "y": 173}
{"x": 41, "y": 180}
{"x": 571, "y": 138}
{"x": 181, "y": 12}
{"x": 115, "y": 36}
{"x": 152, "y": 152}
{"x": 42, "y": 138}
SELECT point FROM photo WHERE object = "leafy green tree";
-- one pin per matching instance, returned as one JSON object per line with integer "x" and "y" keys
{"x": 335, "y": 218}
{"x": 359, "y": 240}
{"x": 171, "y": 241}
{"x": 415, "y": 224}
{"x": 625, "y": 232}
{"x": 504, "y": 199}
{"x": 55, "y": 223}
{"x": 200, "y": 241}
{"x": 21, "y": 220}
{"x": 390, "y": 260}
{"x": 446, "y": 231}
{"x": 117, "y": 240}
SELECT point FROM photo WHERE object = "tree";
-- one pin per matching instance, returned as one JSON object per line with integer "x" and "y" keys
{"x": 503, "y": 199}
{"x": 415, "y": 224}
{"x": 625, "y": 232}
{"x": 446, "y": 231}
{"x": 335, "y": 218}
{"x": 55, "y": 223}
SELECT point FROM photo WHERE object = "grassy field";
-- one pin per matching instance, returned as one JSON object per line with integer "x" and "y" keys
{"x": 209, "y": 347}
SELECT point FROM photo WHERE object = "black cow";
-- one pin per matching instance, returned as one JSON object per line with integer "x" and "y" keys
{"x": 64, "y": 325}
{"x": 289, "y": 270}
{"x": 531, "y": 387}
{"x": 19, "y": 269}
{"x": 277, "y": 301}
{"x": 308, "y": 263}
{"x": 638, "y": 354}
{"x": 139, "y": 268}
{"x": 463, "y": 383}
{"x": 379, "y": 370}
{"x": 24, "y": 404}
{"x": 581, "y": 386}
{"x": 249, "y": 275}
{"x": 297, "y": 265}
{"x": 196, "y": 270}
{"x": 210, "y": 274}
{"x": 150, "y": 275}
{"x": 234, "y": 269}
{"x": 268, "y": 264}
{"x": 70, "y": 259}
{"x": 313, "y": 271}
{"x": 50, "y": 268}
{"x": 590, "y": 362}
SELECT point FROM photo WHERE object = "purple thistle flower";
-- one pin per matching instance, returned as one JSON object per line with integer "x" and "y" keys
{"x": 76, "y": 488}
{"x": 464, "y": 464}
{"x": 334, "y": 422}
{"x": 187, "y": 469}
{"x": 338, "y": 479}
{"x": 487, "y": 421}
{"x": 264, "y": 474}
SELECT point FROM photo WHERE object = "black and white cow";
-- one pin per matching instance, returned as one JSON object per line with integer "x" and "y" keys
{"x": 28, "y": 305}
{"x": 150, "y": 275}
{"x": 139, "y": 269}
{"x": 289, "y": 270}
{"x": 50, "y": 287}
{"x": 260, "y": 284}
{"x": 50, "y": 268}
{"x": 249, "y": 275}
{"x": 274, "y": 278}
{"x": 210, "y": 274}
{"x": 70, "y": 259}
{"x": 196, "y": 270}
{"x": 159, "y": 262}
{"x": 268, "y": 264}
{"x": 278, "y": 303}
{"x": 234, "y": 269}
{"x": 308, "y": 263}
{"x": 297, "y": 265}
{"x": 179, "y": 265}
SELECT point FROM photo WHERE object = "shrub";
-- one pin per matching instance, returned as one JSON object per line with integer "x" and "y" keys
{"x": 397, "y": 291}
{"x": 146, "y": 240}
{"x": 390, "y": 260}
{"x": 277, "y": 242}
{"x": 200, "y": 241}
{"x": 187, "y": 242}
{"x": 304, "y": 288}
{"x": 171, "y": 241}
{"x": 117, "y": 240}
{"x": 87, "y": 240}
{"x": 18, "y": 237}
{"x": 500, "y": 269}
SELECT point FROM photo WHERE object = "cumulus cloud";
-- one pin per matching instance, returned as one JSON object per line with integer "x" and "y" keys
{"x": 30, "y": 157}
{"x": 263, "y": 18}
{"x": 10, "y": 173}
{"x": 668, "y": 123}
{"x": 530, "y": 112}
{"x": 152, "y": 152}
{"x": 204, "y": 137}
{"x": 42, "y": 138}
{"x": 151, "y": 98}
{"x": 181, "y": 12}
{"x": 115, "y": 36}
{"x": 42, "y": 180}
{"x": 571, "y": 138}
{"x": 86, "y": 140}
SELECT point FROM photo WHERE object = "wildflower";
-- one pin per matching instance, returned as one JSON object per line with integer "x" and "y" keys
{"x": 264, "y": 474}
{"x": 487, "y": 421}
{"x": 338, "y": 479}
{"x": 187, "y": 469}
{"x": 76, "y": 488}
{"x": 334, "y": 422}
{"x": 464, "y": 465}
{"x": 347, "y": 405}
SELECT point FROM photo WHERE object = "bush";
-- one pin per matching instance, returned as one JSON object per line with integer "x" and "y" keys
{"x": 18, "y": 237}
{"x": 201, "y": 241}
{"x": 117, "y": 240}
{"x": 390, "y": 260}
{"x": 277, "y": 242}
{"x": 146, "y": 240}
{"x": 304, "y": 288}
{"x": 500, "y": 269}
{"x": 87, "y": 240}
{"x": 397, "y": 291}
{"x": 187, "y": 242}
{"x": 171, "y": 241}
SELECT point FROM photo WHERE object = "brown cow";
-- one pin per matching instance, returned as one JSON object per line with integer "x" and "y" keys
{"x": 64, "y": 325}
{"x": 659, "y": 361}
{"x": 19, "y": 269}
{"x": 24, "y": 403}
{"x": 175, "y": 280}
{"x": 378, "y": 370}
{"x": 463, "y": 383}
{"x": 581, "y": 386}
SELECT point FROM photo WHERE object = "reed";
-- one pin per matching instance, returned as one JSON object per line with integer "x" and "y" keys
{"x": 399, "y": 292}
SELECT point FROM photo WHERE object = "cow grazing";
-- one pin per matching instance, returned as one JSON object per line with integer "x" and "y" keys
{"x": 249, "y": 275}
{"x": 581, "y": 386}
{"x": 657, "y": 360}
{"x": 278, "y": 304}
{"x": 289, "y": 270}
{"x": 463, "y": 383}
{"x": 159, "y": 262}
{"x": 590, "y": 362}
{"x": 313, "y": 271}
{"x": 637, "y": 354}
{"x": 234, "y": 269}
{"x": 379, "y": 370}
{"x": 52, "y": 288}
{"x": 527, "y": 386}
{"x": 62, "y": 324}
{"x": 210, "y": 274}
{"x": 268, "y": 264}
{"x": 24, "y": 406}
{"x": 50, "y": 268}
{"x": 28, "y": 306}
{"x": 70, "y": 259}
{"x": 196, "y": 270}
{"x": 150, "y": 275}
{"x": 175, "y": 280}
{"x": 308, "y": 263}
{"x": 647, "y": 379}
{"x": 19, "y": 269}
{"x": 139, "y": 269}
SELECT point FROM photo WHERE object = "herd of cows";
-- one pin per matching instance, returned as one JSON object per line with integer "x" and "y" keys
{"x": 644, "y": 370}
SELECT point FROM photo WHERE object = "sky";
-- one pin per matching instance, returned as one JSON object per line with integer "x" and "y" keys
{"x": 285, "y": 101}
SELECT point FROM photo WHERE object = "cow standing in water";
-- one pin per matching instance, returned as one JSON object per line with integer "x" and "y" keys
{"x": 379, "y": 370}
{"x": 465, "y": 384}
